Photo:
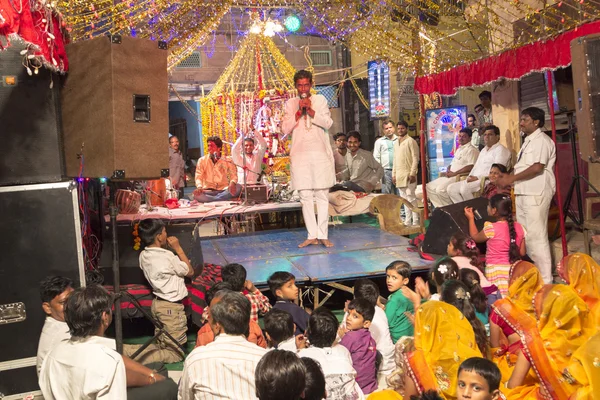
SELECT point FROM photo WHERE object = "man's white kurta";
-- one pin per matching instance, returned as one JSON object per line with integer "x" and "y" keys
{"x": 311, "y": 152}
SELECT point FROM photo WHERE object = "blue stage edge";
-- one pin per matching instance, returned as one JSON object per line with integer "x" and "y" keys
{"x": 360, "y": 250}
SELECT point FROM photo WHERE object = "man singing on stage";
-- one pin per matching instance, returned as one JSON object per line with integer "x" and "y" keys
{"x": 311, "y": 154}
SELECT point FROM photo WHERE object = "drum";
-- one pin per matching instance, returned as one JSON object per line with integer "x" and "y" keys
{"x": 128, "y": 202}
{"x": 157, "y": 190}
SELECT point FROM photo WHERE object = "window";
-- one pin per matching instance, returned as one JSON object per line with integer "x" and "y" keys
{"x": 321, "y": 58}
{"x": 194, "y": 60}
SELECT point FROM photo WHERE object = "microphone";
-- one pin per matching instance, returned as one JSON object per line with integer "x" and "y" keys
{"x": 215, "y": 155}
{"x": 303, "y": 96}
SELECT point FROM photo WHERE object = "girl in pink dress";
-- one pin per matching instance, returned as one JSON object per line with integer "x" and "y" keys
{"x": 505, "y": 240}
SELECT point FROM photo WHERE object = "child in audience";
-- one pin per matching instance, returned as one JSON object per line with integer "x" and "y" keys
{"x": 478, "y": 378}
{"x": 335, "y": 359}
{"x": 379, "y": 329}
{"x": 283, "y": 286}
{"x": 457, "y": 294}
{"x": 478, "y": 297}
{"x": 206, "y": 335}
{"x": 505, "y": 240}
{"x": 235, "y": 274}
{"x": 402, "y": 302}
{"x": 279, "y": 330}
{"x": 280, "y": 375}
{"x": 443, "y": 269}
{"x": 315, "y": 380}
{"x": 165, "y": 272}
{"x": 491, "y": 188}
{"x": 464, "y": 251}
{"x": 359, "y": 342}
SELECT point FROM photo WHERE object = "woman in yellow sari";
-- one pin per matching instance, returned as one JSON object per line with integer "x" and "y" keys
{"x": 548, "y": 345}
{"x": 584, "y": 370}
{"x": 443, "y": 339}
{"x": 525, "y": 281}
{"x": 582, "y": 273}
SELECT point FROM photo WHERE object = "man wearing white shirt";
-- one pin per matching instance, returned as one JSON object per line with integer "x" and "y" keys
{"x": 535, "y": 185}
{"x": 384, "y": 155}
{"x": 492, "y": 153}
{"x": 87, "y": 366}
{"x": 249, "y": 158}
{"x": 463, "y": 162}
{"x": 223, "y": 369}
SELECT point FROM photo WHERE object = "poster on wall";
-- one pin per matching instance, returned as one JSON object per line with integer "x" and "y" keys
{"x": 443, "y": 126}
{"x": 379, "y": 89}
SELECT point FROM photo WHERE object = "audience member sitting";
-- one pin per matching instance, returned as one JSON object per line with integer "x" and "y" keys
{"x": 283, "y": 286}
{"x": 249, "y": 158}
{"x": 315, "y": 380}
{"x": 525, "y": 281}
{"x": 491, "y": 188}
{"x": 87, "y": 365}
{"x": 165, "y": 272}
{"x": 492, "y": 153}
{"x": 216, "y": 176}
{"x": 279, "y": 330}
{"x": 563, "y": 326}
{"x": 457, "y": 294}
{"x": 54, "y": 291}
{"x": 443, "y": 339}
{"x": 206, "y": 335}
{"x": 364, "y": 173}
{"x": 582, "y": 273}
{"x": 207, "y": 371}
{"x": 235, "y": 274}
{"x": 462, "y": 163}
{"x": 359, "y": 342}
{"x": 464, "y": 251}
{"x": 443, "y": 269}
{"x": 478, "y": 378}
{"x": 402, "y": 300}
{"x": 379, "y": 329}
{"x": 583, "y": 372}
{"x": 334, "y": 358}
{"x": 505, "y": 240}
{"x": 280, "y": 375}
{"x": 477, "y": 295}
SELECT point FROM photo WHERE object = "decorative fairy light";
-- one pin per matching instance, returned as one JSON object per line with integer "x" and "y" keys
{"x": 465, "y": 30}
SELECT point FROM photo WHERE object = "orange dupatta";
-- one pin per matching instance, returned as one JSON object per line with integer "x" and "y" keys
{"x": 444, "y": 338}
{"x": 582, "y": 273}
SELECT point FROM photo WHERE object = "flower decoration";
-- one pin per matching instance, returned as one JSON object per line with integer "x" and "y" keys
{"x": 470, "y": 243}
{"x": 443, "y": 268}
{"x": 137, "y": 241}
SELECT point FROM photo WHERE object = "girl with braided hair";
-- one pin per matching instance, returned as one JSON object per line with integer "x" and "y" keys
{"x": 505, "y": 240}
{"x": 457, "y": 294}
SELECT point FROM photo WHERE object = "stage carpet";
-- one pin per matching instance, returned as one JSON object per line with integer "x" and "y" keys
{"x": 359, "y": 250}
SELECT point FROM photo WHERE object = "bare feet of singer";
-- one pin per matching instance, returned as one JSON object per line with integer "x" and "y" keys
{"x": 308, "y": 242}
{"x": 327, "y": 243}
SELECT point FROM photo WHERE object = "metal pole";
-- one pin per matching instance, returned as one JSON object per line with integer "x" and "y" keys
{"x": 113, "y": 211}
{"x": 556, "y": 168}
{"x": 423, "y": 156}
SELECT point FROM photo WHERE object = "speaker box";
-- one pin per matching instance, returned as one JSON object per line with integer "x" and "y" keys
{"x": 31, "y": 150}
{"x": 115, "y": 109}
{"x": 448, "y": 220}
{"x": 42, "y": 237}
{"x": 585, "y": 62}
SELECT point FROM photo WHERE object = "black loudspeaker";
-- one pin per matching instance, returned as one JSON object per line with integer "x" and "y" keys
{"x": 585, "y": 55}
{"x": 30, "y": 126}
{"x": 41, "y": 237}
{"x": 446, "y": 221}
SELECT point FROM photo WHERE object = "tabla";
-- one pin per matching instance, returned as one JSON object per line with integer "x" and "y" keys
{"x": 128, "y": 202}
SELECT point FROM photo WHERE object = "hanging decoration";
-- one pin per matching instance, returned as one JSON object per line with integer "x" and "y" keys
{"x": 379, "y": 89}
{"x": 250, "y": 96}
{"x": 39, "y": 29}
{"x": 451, "y": 33}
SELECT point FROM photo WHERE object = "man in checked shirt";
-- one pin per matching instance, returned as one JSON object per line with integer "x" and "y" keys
{"x": 235, "y": 275}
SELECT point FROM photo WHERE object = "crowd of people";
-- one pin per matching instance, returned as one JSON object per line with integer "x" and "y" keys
{"x": 461, "y": 333}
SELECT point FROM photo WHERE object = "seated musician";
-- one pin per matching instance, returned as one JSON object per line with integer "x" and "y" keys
{"x": 216, "y": 176}
{"x": 249, "y": 157}
{"x": 363, "y": 172}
